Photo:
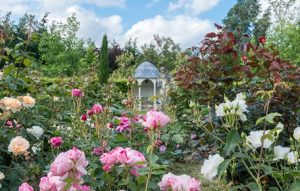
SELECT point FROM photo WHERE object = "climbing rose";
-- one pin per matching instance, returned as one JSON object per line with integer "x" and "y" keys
{"x": 76, "y": 93}
{"x": 18, "y": 146}
{"x": 25, "y": 187}
{"x": 255, "y": 139}
{"x": 56, "y": 141}
{"x": 156, "y": 119}
{"x": 210, "y": 166}
{"x": 179, "y": 183}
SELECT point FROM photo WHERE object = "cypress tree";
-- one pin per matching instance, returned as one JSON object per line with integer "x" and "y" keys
{"x": 103, "y": 68}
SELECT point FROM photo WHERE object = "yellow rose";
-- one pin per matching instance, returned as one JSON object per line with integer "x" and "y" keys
{"x": 27, "y": 101}
{"x": 10, "y": 104}
{"x": 18, "y": 146}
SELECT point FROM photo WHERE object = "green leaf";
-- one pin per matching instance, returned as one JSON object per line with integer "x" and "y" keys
{"x": 270, "y": 117}
{"x": 259, "y": 120}
{"x": 267, "y": 169}
{"x": 295, "y": 186}
{"x": 232, "y": 141}
{"x": 242, "y": 155}
{"x": 223, "y": 166}
{"x": 141, "y": 179}
{"x": 27, "y": 62}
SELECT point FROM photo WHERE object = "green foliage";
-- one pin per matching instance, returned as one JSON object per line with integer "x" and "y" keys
{"x": 60, "y": 49}
{"x": 103, "y": 64}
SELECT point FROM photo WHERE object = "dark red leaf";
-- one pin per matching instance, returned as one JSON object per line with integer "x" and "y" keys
{"x": 274, "y": 66}
{"x": 211, "y": 35}
{"x": 219, "y": 27}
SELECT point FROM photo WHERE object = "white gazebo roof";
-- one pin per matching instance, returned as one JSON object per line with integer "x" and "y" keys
{"x": 146, "y": 70}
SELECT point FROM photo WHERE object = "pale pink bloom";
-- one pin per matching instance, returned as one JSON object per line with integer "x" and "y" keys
{"x": 179, "y": 183}
{"x": 124, "y": 124}
{"x": 76, "y": 93}
{"x": 25, "y": 187}
{"x": 162, "y": 149}
{"x": 80, "y": 188}
{"x": 97, "y": 108}
{"x": 18, "y": 145}
{"x": 56, "y": 141}
{"x": 127, "y": 156}
{"x": 156, "y": 119}
{"x": 49, "y": 183}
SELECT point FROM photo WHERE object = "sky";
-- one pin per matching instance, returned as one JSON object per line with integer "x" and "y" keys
{"x": 185, "y": 21}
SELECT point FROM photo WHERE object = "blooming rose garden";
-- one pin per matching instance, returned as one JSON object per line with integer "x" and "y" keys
{"x": 229, "y": 118}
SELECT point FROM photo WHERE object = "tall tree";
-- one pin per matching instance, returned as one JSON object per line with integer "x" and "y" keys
{"x": 262, "y": 25}
{"x": 103, "y": 67}
{"x": 242, "y": 15}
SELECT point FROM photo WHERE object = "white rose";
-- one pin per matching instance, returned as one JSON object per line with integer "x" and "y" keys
{"x": 1, "y": 175}
{"x": 35, "y": 149}
{"x": 292, "y": 157}
{"x": 210, "y": 166}
{"x": 297, "y": 134}
{"x": 255, "y": 139}
{"x": 281, "y": 152}
{"x": 36, "y": 131}
{"x": 279, "y": 127}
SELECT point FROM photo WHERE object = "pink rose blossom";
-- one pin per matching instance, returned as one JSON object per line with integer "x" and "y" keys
{"x": 127, "y": 156}
{"x": 76, "y": 93}
{"x": 90, "y": 112}
{"x": 110, "y": 125}
{"x": 97, "y": 108}
{"x": 25, "y": 187}
{"x": 156, "y": 119}
{"x": 56, "y": 141}
{"x": 83, "y": 117}
{"x": 182, "y": 183}
{"x": 67, "y": 165}
{"x": 124, "y": 124}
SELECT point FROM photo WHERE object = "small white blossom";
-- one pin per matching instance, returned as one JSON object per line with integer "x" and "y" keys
{"x": 1, "y": 175}
{"x": 281, "y": 152}
{"x": 292, "y": 157}
{"x": 36, "y": 131}
{"x": 296, "y": 134}
{"x": 254, "y": 139}
{"x": 210, "y": 166}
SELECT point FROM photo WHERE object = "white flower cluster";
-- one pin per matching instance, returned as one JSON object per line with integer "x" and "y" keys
{"x": 236, "y": 107}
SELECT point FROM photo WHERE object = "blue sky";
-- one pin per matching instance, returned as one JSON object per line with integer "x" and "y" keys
{"x": 185, "y": 21}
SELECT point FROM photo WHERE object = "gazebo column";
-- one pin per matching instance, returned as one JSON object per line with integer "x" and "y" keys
{"x": 140, "y": 81}
{"x": 154, "y": 94}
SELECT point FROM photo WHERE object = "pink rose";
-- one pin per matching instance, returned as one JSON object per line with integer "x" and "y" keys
{"x": 83, "y": 117}
{"x": 110, "y": 125}
{"x": 97, "y": 108}
{"x": 25, "y": 187}
{"x": 124, "y": 124}
{"x": 56, "y": 141}
{"x": 182, "y": 183}
{"x": 76, "y": 93}
{"x": 156, "y": 119}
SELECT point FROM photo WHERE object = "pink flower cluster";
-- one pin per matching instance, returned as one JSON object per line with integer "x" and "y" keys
{"x": 155, "y": 119}
{"x": 12, "y": 124}
{"x": 124, "y": 124}
{"x": 127, "y": 156}
{"x": 183, "y": 183}
{"x": 67, "y": 165}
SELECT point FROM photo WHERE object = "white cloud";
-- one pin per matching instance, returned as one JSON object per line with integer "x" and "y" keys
{"x": 183, "y": 29}
{"x": 194, "y": 7}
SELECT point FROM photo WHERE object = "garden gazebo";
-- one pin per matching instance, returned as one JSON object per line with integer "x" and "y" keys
{"x": 147, "y": 76}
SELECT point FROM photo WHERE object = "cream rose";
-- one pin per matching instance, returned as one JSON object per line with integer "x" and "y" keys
{"x": 10, "y": 104}
{"x": 18, "y": 145}
{"x": 27, "y": 101}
